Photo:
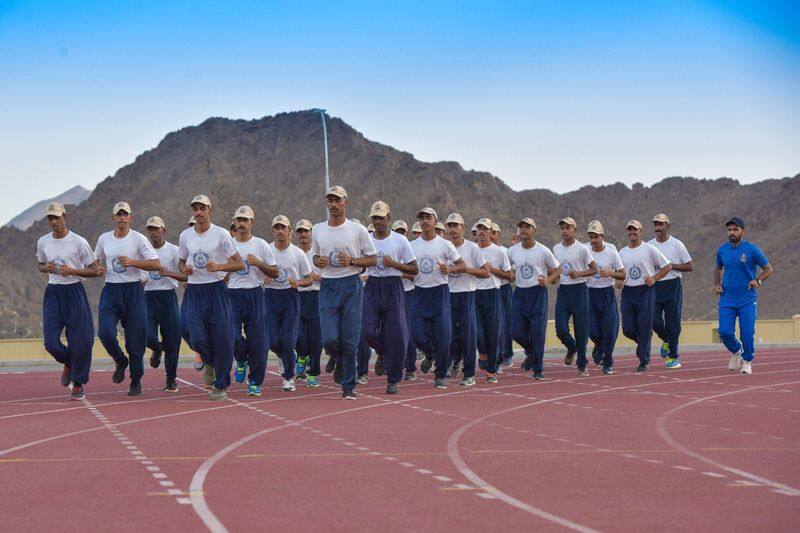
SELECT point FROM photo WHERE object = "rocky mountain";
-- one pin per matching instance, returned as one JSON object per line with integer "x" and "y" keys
{"x": 74, "y": 196}
{"x": 275, "y": 165}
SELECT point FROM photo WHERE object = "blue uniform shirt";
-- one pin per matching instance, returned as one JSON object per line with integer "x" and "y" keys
{"x": 739, "y": 269}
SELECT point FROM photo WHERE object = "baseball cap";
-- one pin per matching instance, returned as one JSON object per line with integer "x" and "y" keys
{"x": 735, "y": 221}
{"x": 634, "y": 223}
{"x": 280, "y": 219}
{"x": 121, "y": 206}
{"x": 303, "y": 224}
{"x": 595, "y": 226}
{"x": 496, "y": 227}
{"x": 568, "y": 220}
{"x": 485, "y": 222}
{"x": 440, "y": 226}
{"x": 398, "y": 224}
{"x": 55, "y": 209}
{"x": 416, "y": 228}
{"x": 336, "y": 190}
{"x": 201, "y": 199}
{"x": 245, "y": 211}
{"x": 155, "y": 222}
{"x": 428, "y": 211}
{"x": 527, "y": 220}
{"x": 454, "y": 218}
{"x": 379, "y": 209}
{"x": 661, "y": 217}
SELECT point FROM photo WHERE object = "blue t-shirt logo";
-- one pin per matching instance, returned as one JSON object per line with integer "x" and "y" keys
{"x": 154, "y": 275}
{"x": 526, "y": 271}
{"x": 426, "y": 265}
{"x": 333, "y": 258}
{"x": 379, "y": 265}
{"x": 743, "y": 258}
{"x": 117, "y": 266}
{"x": 246, "y": 270}
{"x": 282, "y": 276}
{"x": 200, "y": 259}
{"x": 635, "y": 272}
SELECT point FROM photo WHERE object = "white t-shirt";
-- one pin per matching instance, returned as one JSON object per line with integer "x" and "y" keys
{"x": 499, "y": 259}
{"x": 197, "y": 249}
{"x": 71, "y": 250}
{"x": 675, "y": 251}
{"x": 168, "y": 256}
{"x": 314, "y": 270}
{"x": 606, "y": 259}
{"x": 251, "y": 277}
{"x": 397, "y": 247}
{"x": 576, "y": 256}
{"x": 292, "y": 264}
{"x": 530, "y": 263}
{"x": 640, "y": 262}
{"x": 351, "y": 238}
{"x": 134, "y": 245}
{"x": 428, "y": 254}
{"x": 473, "y": 257}
{"x": 505, "y": 250}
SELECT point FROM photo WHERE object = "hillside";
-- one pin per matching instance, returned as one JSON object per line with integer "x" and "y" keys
{"x": 73, "y": 196}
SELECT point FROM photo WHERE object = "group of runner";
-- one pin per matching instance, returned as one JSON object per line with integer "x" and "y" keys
{"x": 443, "y": 295}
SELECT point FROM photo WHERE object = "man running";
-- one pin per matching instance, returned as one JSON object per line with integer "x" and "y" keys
{"x": 416, "y": 231}
{"x": 384, "y": 324}
{"x": 736, "y": 281}
{"x": 603, "y": 315}
{"x": 309, "y": 335}
{"x": 669, "y": 291}
{"x": 645, "y": 266}
{"x": 430, "y": 303}
{"x": 206, "y": 253}
{"x": 535, "y": 267}
{"x": 572, "y": 298}
{"x": 341, "y": 249}
{"x": 66, "y": 258}
{"x": 162, "y": 304}
{"x": 283, "y": 299}
{"x": 464, "y": 344}
{"x": 124, "y": 252}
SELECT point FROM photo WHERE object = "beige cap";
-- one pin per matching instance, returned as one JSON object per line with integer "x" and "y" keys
{"x": 568, "y": 220}
{"x": 595, "y": 226}
{"x": 454, "y": 218}
{"x": 485, "y": 222}
{"x": 379, "y": 209}
{"x": 527, "y": 220}
{"x": 399, "y": 224}
{"x": 336, "y": 190}
{"x": 245, "y": 211}
{"x": 303, "y": 224}
{"x": 121, "y": 206}
{"x": 201, "y": 199}
{"x": 155, "y": 222}
{"x": 496, "y": 227}
{"x": 440, "y": 226}
{"x": 55, "y": 209}
{"x": 416, "y": 228}
{"x": 661, "y": 217}
{"x": 428, "y": 211}
{"x": 370, "y": 228}
{"x": 192, "y": 221}
{"x": 281, "y": 219}
{"x": 634, "y": 223}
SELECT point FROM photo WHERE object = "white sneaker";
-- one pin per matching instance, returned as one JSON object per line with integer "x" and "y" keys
{"x": 288, "y": 385}
{"x": 747, "y": 367}
{"x": 736, "y": 361}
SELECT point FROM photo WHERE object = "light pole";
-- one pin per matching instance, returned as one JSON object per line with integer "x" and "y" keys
{"x": 325, "y": 148}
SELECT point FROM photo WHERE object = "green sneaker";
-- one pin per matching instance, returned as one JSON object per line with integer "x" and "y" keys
{"x": 241, "y": 372}
{"x": 300, "y": 365}
{"x": 664, "y": 351}
{"x": 217, "y": 394}
{"x": 672, "y": 363}
{"x": 253, "y": 390}
{"x": 313, "y": 381}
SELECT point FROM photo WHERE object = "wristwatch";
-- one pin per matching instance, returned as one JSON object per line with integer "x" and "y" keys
{"x": 759, "y": 282}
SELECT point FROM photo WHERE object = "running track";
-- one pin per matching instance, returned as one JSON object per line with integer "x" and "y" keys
{"x": 698, "y": 449}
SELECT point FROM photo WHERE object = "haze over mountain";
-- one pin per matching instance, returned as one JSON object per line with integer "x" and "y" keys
{"x": 73, "y": 196}
{"x": 275, "y": 165}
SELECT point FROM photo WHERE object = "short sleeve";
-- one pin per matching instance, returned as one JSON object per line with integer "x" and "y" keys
{"x": 684, "y": 254}
{"x": 478, "y": 257}
{"x": 302, "y": 263}
{"x": 659, "y": 258}
{"x": 616, "y": 261}
{"x": 760, "y": 259}
{"x": 505, "y": 266}
{"x": 406, "y": 252}
{"x": 550, "y": 260}
{"x": 40, "y": 255}
{"x": 183, "y": 249}
{"x": 587, "y": 255}
{"x": 98, "y": 249}
{"x": 314, "y": 244}
{"x": 719, "y": 258}
{"x": 85, "y": 253}
{"x": 365, "y": 242}
{"x": 146, "y": 249}
{"x": 228, "y": 244}
{"x": 266, "y": 254}
{"x": 452, "y": 253}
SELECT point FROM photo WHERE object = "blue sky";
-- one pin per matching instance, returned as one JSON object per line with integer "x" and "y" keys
{"x": 553, "y": 94}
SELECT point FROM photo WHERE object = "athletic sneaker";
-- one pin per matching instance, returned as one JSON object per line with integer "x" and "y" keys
{"x": 136, "y": 388}
{"x": 155, "y": 358}
{"x": 380, "y": 366}
{"x": 119, "y": 371}
{"x": 65, "y": 376}
{"x": 217, "y": 394}
{"x": 538, "y": 375}
{"x": 482, "y": 359}
{"x": 209, "y": 376}
{"x": 747, "y": 367}
{"x": 313, "y": 381}
{"x": 410, "y": 376}
{"x": 337, "y": 373}
{"x": 439, "y": 384}
{"x": 199, "y": 364}
{"x": 672, "y": 362}
{"x": 362, "y": 379}
{"x": 241, "y": 372}
{"x": 507, "y": 362}
{"x": 527, "y": 364}
{"x": 420, "y": 354}
{"x": 570, "y": 357}
{"x": 467, "y": 382}
{"x": 642, "y": 367}
{"x": 608, "y": 370}
{"x": 171, "y": 386}
{"x": 583, "y": 372}
{"x": 330, "y": 366}
{"x": 253, "y": 390}
{"x": 392, "y": 388}
{"x": 736, "y": 361}
{"x": 300, "y": 366}
{"x": 288, "y": 385}
{"x": 77, "y": 393}
{"x": 664, "y": 350}
{"x": 596, "y": 357}
{"x": 454, "y": 369}
{"x": 349, "y": 395}
{"x": 491, "y": 378}
{"x": 426, "y": 365}
{"x": 499, "y": 370}
{"x": 301, "y": 377}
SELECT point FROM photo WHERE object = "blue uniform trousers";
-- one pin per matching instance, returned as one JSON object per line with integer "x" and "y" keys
{"x": 125, "y": 304}
{"x": 637, "y": 305}
{"x": 65, "y": 307}
{"x": 283, "y": 325}
{"x": 207, "y": 311}
{"x": 431, "y": 324}
{"x": 340, "y": 302}
{"x": 529, "y": 322}
{"x": 487, "y": 309}
{"x": 667, "y": 317}
{"x": 163, "y": 315}
{"x": 309, "y": 335}
{"x": 249, "y": 311}
{"x": 464, "y": 325}
{"x": 603, "y": 323}
{"x": 384, "y": 325}
{"x": 573, "y": 301}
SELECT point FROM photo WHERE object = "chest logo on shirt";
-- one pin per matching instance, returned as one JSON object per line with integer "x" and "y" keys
{"x": 282, "y": 275}
{"x": 380, "y": 265}
{"x": 743, "y": 258}
{"x": 245, "y": 271}
{"x": 117, "y": 266}
{"x": 58, "y": 262}
{"x": 154, "y": 275}
{"x": 635, "y": 272}
{"x": 566, "y": 268}
{"x": 333, "y": 258}
{"x": 526, "y": 271}
{"x": 200, "y": 259}
{"x": 426, "y": 265}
